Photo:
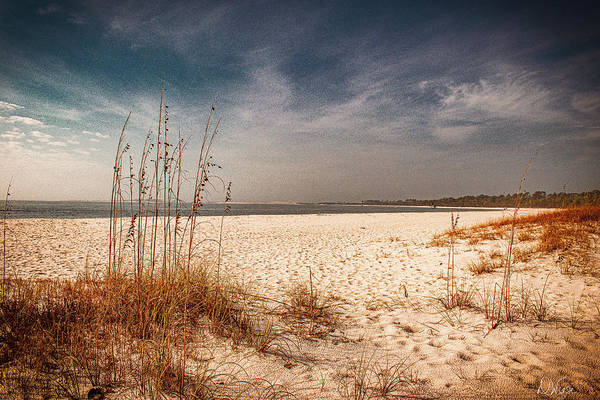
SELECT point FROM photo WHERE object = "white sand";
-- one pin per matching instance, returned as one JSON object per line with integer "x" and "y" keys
{"x": 371, "y": 261}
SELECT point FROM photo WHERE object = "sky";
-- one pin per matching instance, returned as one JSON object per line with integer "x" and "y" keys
{"x": 320, "y": 101}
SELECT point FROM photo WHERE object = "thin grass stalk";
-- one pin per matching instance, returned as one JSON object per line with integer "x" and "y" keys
{"x": 112, "y": 222}
{"x": 149, "y": 219}
{"x": 171, "y": 177}
{"x": 4, "y": 214}
{"x": 156, "y": 174}
{"x": 312, "y": 300}
{"x": 120, "y": 208}
{"x": 185, "y": 318}
{"x": 165, "y": 187}
{"x": 119, "y": 218}
{"x": 505, "y": 294}
{"x": 131, "y": 232}
{"x": 198, "y": 185}
{"x": 177, "y": 213}
{"x": 141, "y": 205}
{"x": 450, "y": 283}
{"x": 226, "y": 209}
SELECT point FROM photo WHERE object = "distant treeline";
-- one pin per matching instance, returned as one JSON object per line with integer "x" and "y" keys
{"x": 537, "y": 199}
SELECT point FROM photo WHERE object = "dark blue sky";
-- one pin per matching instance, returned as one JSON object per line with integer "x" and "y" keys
{"x": 334, "y": 101}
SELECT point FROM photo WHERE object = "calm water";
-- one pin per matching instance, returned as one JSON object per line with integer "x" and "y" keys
{"x": 88, "y": 209}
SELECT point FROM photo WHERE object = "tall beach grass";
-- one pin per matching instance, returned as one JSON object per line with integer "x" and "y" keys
{"x": 138, "y": 329}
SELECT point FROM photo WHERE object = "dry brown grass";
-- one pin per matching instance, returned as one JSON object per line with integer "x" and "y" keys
{"x": 523, "y": 254}
{"x": 371, "y": 378}
{"x": 585, "y": 218}
{"x": 118, "y": 332}
{"x": 461, "y": 298}
{"x": 539, "y": 306}
{"x": 526, "y": 236}
{"x": 139, "y": 329}
{"x": 457, "y": 295}
{"x": 526, "y": 304}
{"x": 577, "y": 215}
{"x": 572, "y": 235}
{"x": 484, "y": 265}
{"x": 312, "y": 311}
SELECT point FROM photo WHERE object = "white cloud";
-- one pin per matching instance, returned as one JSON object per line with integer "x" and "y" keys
{"x": 270, "y": 108}
{"x": 82, "y": 152}
{"x": 96, "y": 134}
{"x": 41, "y": 136}
{"x": 16, "y": 119}
{"x": 69, "y": 114}
{"x": 95, "y": 140}
{"x": 72, "y": 141}
{"x": 29, "y": 164}
{"x": 13, "y": 134}
{"x": 454, "y": 133}
{"x": 4, "y": 106}
{"x": 468, "y": 108}
{"x": 515, "y": 97}
{"x": 57, "y": 144}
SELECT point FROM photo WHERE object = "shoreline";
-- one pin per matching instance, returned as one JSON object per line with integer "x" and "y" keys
{"x": 74, "y": 210}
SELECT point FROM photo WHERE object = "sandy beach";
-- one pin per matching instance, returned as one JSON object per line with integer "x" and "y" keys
{"x": 299, "y": 200}
{"x": 386, "y": 276}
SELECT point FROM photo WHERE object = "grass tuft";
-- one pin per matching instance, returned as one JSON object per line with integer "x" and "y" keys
{"x": 312, "y": 311}
{"x": 484, "y": 265}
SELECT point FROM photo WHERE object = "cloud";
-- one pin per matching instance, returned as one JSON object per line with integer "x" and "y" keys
{"x": 179, "y": 25}
{"x": 71, "y": 17}
{"x": 4, "y": 106}
{"x": 15, "y": 119}
{"x": 323, "y": 95}
{"x": 509, "y": 100}
{"x": 517, "y": 97}
{"x": 13, "y": 134}
{"x": 271, "y": 108}
{"x": 77, "y": 19}
{"x": 41, "y": 136}
{"x": 49, "y": 9}
{"x": 57, "y": 144}
{"x": 82, "y": 152}
{"x": 96, "y": 134}
{"x": 69, "y": 114}
{"x": 591, "y": 133}
{"x": 29, "y": 164}
{"x": 454, "y": 133}
{"x": 587, "y": 103}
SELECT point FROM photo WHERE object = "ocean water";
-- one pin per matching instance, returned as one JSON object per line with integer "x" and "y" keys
{"x": 92, "y": 209}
